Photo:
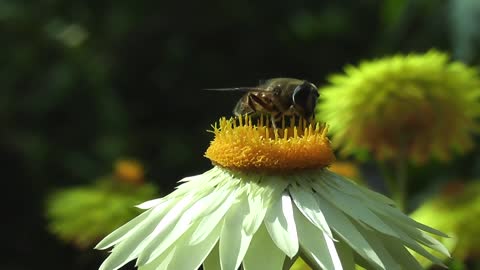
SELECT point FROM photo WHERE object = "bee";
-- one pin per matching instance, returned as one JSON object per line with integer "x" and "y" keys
{"x": 277, "y": 97}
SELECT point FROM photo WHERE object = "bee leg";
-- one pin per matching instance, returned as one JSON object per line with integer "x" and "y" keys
{"x": 275, "y": 118}
{"x": 291, "y": 111}
{"x": 260, "y": 104}
{"x": 274, "y": 125}
{"x": 251, "y": 102}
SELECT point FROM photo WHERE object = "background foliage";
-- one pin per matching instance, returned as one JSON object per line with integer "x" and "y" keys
{"x": 84, "y": 83}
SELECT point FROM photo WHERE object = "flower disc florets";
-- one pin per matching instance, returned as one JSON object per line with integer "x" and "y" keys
{"x": 241, "y": 145}
{"x": 416, "y": 105}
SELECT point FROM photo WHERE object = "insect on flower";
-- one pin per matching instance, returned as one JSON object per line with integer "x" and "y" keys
{"x": 277, "y": 98}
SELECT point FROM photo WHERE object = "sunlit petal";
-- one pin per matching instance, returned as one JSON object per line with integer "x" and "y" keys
{"x": 234, "y": 240}
{"x": 280, "y": 224}
{"x": 317, "y": 245}
{"x": 263, "y": 254}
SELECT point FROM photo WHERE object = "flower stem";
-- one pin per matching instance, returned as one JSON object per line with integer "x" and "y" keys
{"x": 401, "y": 181}
{"x": 396, "y": 181}
{"x": 287, "y": 264}
{"x": 388, "y": 179}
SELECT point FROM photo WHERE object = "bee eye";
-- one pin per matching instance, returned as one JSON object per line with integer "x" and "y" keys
{"x": 305, "y": 97}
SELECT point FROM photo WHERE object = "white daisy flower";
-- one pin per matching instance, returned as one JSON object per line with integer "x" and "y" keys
{"x": 269, "y": 199}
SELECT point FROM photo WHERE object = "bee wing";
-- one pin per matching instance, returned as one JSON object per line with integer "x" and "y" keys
{"x": 239, "y": 89}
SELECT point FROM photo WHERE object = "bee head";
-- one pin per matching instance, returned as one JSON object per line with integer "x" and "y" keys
{"x": 305, "y": 98}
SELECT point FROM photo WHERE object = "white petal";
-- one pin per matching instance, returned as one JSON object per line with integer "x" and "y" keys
{"x": 257, "y": 209}
{"x": 351, "y": 187}
{"x": 308, "y": 205}
{"x": 411, "y": 234}
{"x": 422, "y": 251}
{"x": 365, "y": 265}
{"x": 191, "y": 185}
{"x": 138, "y": 223}
{"x": 400, "y": 217}
{"x": 171, "y": 232}
{"x": 263, "y": 254}
{"x": 234, "y": 241}
{"x": 432, "y": 243}
{"x": 280, "y": 224}
{"x": 122, "y": 232}
{"x": 190, "y": 257}
{"x": 402, "y": 257}
{"x": 316, "y": 244}
{"x": 199, "y": 184}
{"x": 161, "y": 262}
{"x": 207, "y": 223}
{"x": 344, "y": 227}
{"x": 376, "y": 201}
{"x": 166, "y": 224}
{"x": 346, "y": 254}
{"x": 150, "y": 204}
{"x": 212, "y": 262}
{"x": 426, "y": 228}
{"x": 401, "y": 254}
{"x": 354, "y": 208}
{"x": 190, "y": 178}
{"x": 377, "y": 245}
{"x": 261, "y": 195}
{"x": 275, "y": 187}
{"x": 133, "y": 242}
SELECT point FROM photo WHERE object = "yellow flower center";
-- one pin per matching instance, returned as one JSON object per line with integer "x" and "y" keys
{"x": 241, "y": 145}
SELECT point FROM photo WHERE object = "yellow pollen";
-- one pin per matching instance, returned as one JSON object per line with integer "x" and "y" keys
{"x": 241, "y": 145}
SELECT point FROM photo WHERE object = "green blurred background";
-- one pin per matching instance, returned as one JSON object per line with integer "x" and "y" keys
{"x": 84, "y": 83}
